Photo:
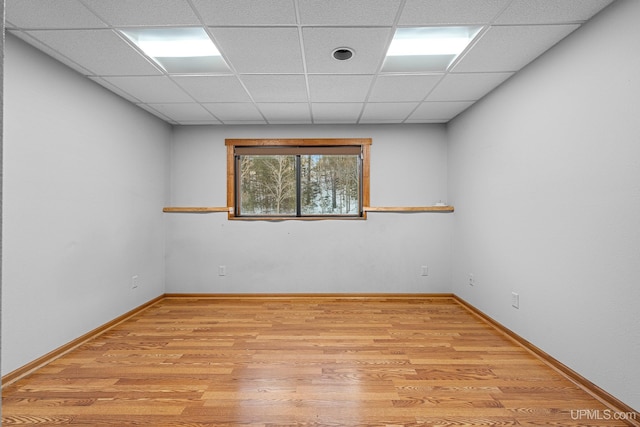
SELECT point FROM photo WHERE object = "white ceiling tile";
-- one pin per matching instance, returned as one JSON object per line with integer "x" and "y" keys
{"x": 115, "y": 57}
{"x": 417, "y": 63}
{"x": 150, "y": 89}
{"x": 156, "y": 113}
{"x": 348, "y": 13}
{"x": 246, "y": 12}
{"x": 234, "y": 111}
{"x": 336, "y": 122}
{"x": 550, "y": 11}
{"x": 365, "y": 121}
{"x": 388, "y": 111}
{"x": 278, "y": 113}
{"x": 208, "y": 122}
{"x": 289, "y": 122}
{"x": 403, "y": 88}
{"x": 49, "y": 14}
{"x": 144, "y": 12}
{"x": 213, "y": 88}
{"x": 199, "y": 123}
{"x": 438, "y": 12}
{"x": 51, "y": 52}
{"x": 183, "y": 112}
{"x": 510, "y": 48}
{"x": 426, "y": 121}
{"x": 102, "y": 82}
{"x": 196, "y": 65}
{"x": 260, "y": 50}
{"x": 335, "y": 112}
{"x": 369, "y": 45}
{"x": 439, "y": 110}
{"x": 278, "y": 87}
{"x": 271, "y": 80}
{"x": 245, "y": 122}
{"x": 339, "y": 88}
{"x": 466, "y": 87}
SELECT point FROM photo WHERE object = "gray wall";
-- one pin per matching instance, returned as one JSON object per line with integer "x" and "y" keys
{"x": 545, "y": 178}
{"x": 382, "y": 254}
{"x": 1, "y": 149}
{"x": 84, "y": 186}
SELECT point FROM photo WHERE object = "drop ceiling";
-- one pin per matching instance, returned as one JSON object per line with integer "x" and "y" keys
{"x": 279, "y": 52}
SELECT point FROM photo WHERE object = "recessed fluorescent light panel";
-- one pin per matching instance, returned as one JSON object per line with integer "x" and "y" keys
{"x": 427, "y": 49}
{"x": 179, "y": 50}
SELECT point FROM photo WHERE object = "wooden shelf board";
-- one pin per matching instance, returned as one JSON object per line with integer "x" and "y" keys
{"x": 200, "y": 209}
{"x": 197, "y": 209}
{"x": 409, "y": 208}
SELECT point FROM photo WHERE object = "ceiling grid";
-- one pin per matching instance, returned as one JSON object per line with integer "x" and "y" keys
{"x": 280, "y": 54}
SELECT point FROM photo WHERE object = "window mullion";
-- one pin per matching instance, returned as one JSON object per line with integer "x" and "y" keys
{"x": 237, "y": 182}
{"x": 298, "y": 186}
{"x": 360, "y": 185}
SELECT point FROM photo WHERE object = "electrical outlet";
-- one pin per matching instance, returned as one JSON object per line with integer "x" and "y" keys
{"x": 472, "y": 280}
{"x": 515, "y": 300}
{"x": 222, "y": 270}
{"x": 424, "y": 270}
{"x": 134, "y": 281}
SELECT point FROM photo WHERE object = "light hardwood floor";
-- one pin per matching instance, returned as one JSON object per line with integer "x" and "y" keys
{"x": 300, "y": 361}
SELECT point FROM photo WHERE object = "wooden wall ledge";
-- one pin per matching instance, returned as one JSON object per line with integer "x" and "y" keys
{"x": 186, "y": 209}
{"x": 446, "y": 208}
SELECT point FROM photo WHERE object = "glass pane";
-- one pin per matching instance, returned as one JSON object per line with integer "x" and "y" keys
{"x": 330, "y": 184}
{"x": 267, "y": 185}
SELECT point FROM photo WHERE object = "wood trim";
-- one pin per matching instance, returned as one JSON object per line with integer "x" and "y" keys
{"x": 346, "y": 296}
{"x": 231, "y": 173}
{"x": 409, "y": 208}
{"x": 364, "y": 143}
{"x": 605, "y": 398}
{"x": 185, "y": 209}
{"x": 366, "y": 178}
{"x": 334, "y": 150}
{"x": 297, "y": 218}
{"x": 25, "y": 370}
{"x": 197, "y": 209}
{"x": 327, "y": 142}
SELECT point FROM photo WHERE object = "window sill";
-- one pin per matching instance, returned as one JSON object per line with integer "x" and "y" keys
{"x": 298, "y": 218}
{"x": 229, "y": 210}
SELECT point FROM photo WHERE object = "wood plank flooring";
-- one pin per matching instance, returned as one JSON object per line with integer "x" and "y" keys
{"x": 300, "y": 361}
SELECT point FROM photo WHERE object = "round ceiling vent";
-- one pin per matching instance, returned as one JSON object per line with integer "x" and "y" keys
{"x": 343, "y": 53}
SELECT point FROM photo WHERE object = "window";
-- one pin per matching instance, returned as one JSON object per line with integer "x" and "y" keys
{"x": 298, "y": 178}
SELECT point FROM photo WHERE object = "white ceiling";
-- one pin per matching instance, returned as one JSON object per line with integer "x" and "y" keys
{"x": 279, "y": 52}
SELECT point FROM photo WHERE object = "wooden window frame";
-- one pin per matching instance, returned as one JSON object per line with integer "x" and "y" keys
{"x": 363, "y": 143}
